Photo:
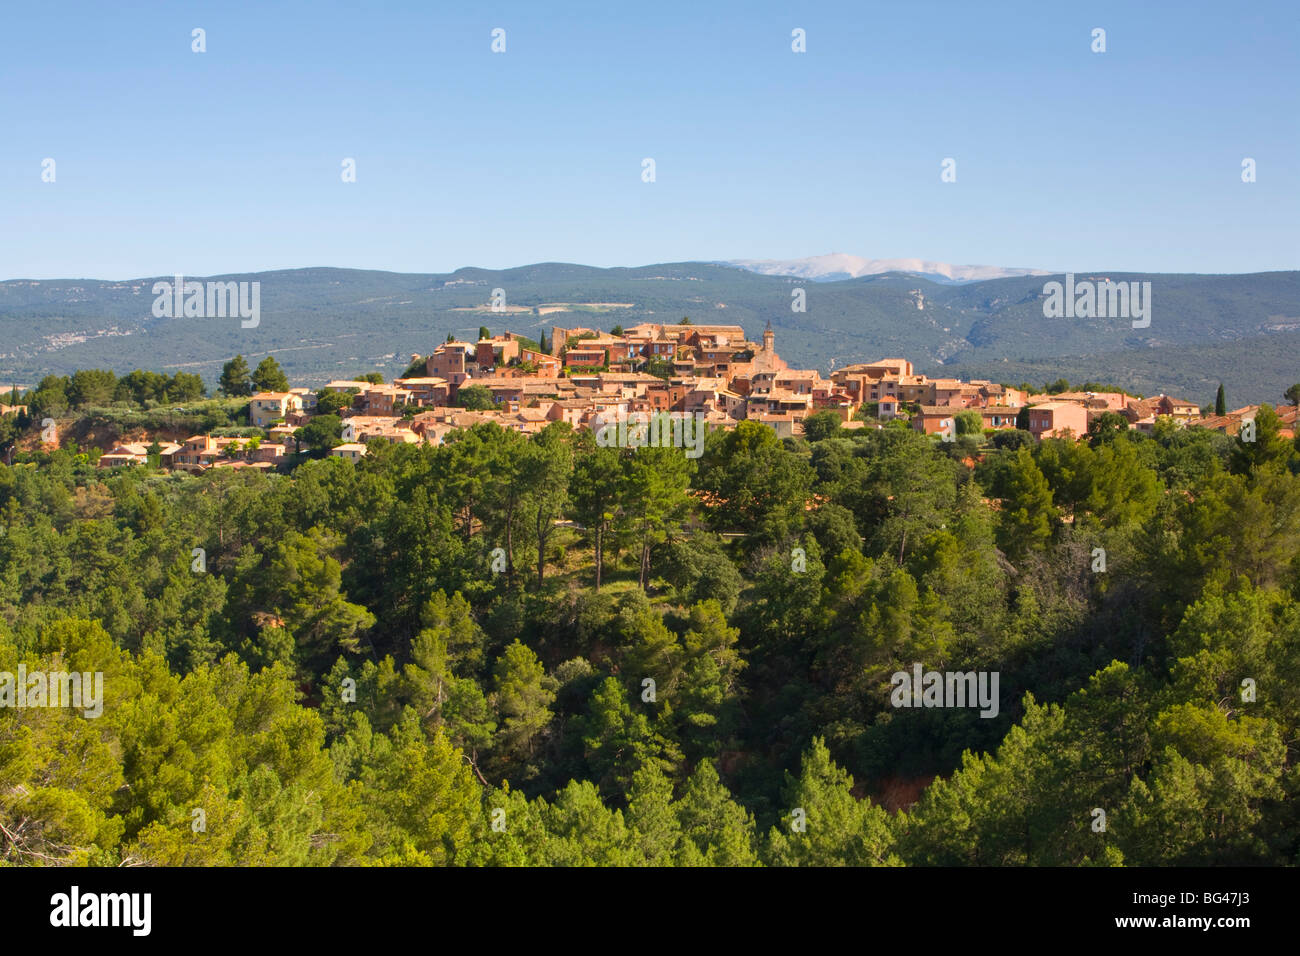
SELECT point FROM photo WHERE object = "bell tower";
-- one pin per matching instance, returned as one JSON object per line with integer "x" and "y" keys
{"x": 769, "y": 338}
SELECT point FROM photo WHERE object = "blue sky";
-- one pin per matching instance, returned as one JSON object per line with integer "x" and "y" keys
{"x": 229, "y": 161}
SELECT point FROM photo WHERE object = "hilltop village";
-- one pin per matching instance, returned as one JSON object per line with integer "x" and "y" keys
{"x": 586, "y": 377}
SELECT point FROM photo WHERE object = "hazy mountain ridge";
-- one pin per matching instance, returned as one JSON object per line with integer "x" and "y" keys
{"x": 838, "y": 265}
{"x": 325, "y": 322}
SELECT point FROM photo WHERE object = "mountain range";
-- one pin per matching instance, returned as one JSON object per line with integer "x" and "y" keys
{"x": 837, "y": 265}
{"x": 323, "y": 323}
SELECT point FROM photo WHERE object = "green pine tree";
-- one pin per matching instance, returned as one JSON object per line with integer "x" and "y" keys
{"x": 269, "y": 377}
{"x": 234, "y": 378}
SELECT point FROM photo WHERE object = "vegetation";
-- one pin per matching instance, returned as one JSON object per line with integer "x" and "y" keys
{"x": 1206, "y": 329}
{"x": 476, "y": 398}
{"x": 1063, "y": 385}
{"x": 658, "y": 367}
{"x": 331, "y": 402}
{"x": 269, "y": 377}
{"x": 59, "y": 394}
{"x": 514, "y": 650}
{"x": 235, "y": 380}
{"x": 320, "y": 434}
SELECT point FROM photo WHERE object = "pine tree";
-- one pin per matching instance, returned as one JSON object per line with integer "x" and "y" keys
{"x": 269, "y": 377}
{"x": 234, "y": 378}
{"x": 419, "y": 796}
{"x": 719, "y": 829}
{"x": 1028, "y": 513}
{"x": 824, "y": 824}
{"x": 523, "y": 699}
{"x": 1220, "y": 406}
{"x": 651, "y": 816}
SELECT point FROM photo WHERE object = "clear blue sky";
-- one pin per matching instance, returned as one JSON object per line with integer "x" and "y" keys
{"x": 229, "y": 161}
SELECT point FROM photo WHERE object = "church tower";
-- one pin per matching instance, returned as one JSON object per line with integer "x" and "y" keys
{"x": 769, "y": 338}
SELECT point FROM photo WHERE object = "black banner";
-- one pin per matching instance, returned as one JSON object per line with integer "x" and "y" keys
{"x": 342, "y": 906}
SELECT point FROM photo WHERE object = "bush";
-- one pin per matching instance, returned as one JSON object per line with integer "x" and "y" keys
{"x": 820, "y": 426}
{"x": 475, "y": 398}
{"x": 699, "y": 569}
{"x": 1012, "y": 439}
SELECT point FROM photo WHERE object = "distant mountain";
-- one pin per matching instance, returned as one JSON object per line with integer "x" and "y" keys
{"x": 1243, "y": 330}
{"x": 837, "y": 265}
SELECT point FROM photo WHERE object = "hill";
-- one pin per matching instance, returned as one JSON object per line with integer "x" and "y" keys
{"x": 838, "y": 265}
{"x": 323, "y": 322}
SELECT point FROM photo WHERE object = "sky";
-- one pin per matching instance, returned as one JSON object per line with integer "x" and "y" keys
{"x": 230, "y": 160}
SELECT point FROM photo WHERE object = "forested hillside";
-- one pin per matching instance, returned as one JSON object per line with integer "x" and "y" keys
{"x": 324, "y": 323}
{"x": 511, "y": 650}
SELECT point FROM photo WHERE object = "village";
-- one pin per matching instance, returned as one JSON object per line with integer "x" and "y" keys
{"x": 588, "y": 379}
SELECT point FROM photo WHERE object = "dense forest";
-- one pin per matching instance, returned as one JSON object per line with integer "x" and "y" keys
{"x": 512, "y": 650}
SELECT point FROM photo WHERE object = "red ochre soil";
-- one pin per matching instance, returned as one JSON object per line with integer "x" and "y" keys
{"x": 897, "y": 793}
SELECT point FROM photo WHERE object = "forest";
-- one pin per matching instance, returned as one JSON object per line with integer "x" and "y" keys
{"x": 534, "y": 650}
